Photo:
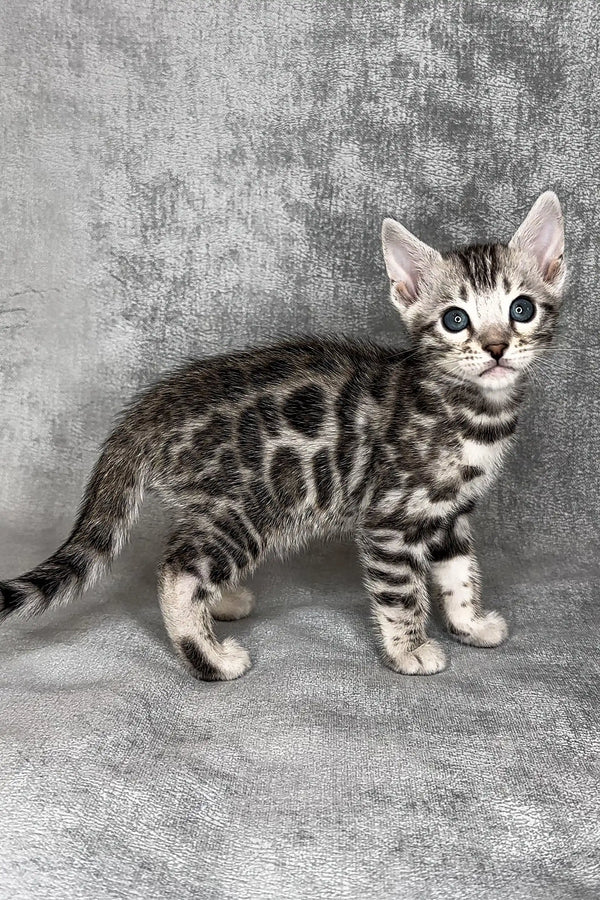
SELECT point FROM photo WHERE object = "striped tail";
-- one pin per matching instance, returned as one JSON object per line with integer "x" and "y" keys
{"x": 108, "y": 510}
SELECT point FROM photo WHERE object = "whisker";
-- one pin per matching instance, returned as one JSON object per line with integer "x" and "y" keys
{"x": 559, "y": 349}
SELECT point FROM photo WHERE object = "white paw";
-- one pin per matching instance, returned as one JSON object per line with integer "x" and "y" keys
{"x": 424, "y": 660}
{"x": 233, "y": 660}
{"x": 235, "y": 604}
{"x": 487, "y": 630}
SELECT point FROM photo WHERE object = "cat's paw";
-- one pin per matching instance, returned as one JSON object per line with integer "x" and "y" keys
{"x": 487, "y": 630}
{"x": 234, "y": 604}
{"x": 234, "y": 661}
{"x": 212, "y": 661}
{"x": 427, "y": 659}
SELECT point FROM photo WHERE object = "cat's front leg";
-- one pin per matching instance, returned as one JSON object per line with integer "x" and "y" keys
{"x": 396, "y": 569}
{"x": 457, "y": 584}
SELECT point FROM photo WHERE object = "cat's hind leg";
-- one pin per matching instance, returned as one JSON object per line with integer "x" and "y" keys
{"x": 191, "y": 580}
{"x": 234, "y": 603}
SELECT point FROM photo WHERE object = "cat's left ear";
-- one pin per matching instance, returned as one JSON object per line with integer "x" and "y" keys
{"x": 542, "y": 237}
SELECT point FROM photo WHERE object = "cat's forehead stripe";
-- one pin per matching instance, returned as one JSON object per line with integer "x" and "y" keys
{"x": 480, "y": 264}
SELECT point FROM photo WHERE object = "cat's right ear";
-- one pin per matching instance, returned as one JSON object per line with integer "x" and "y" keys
{"x": 407, "y": 259}
{"x": 542, "y": 237}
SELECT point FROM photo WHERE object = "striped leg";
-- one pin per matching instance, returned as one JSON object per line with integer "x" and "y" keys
{"x": 193, "y": 586}
{"x": 456, "y": 580}
{"x": 396, "y": 578}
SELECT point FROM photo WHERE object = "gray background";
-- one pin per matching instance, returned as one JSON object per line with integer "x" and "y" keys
{"x": 184, "y": 177}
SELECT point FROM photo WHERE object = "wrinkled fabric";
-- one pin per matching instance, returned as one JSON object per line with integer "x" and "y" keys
{"x": 180, "y": 178}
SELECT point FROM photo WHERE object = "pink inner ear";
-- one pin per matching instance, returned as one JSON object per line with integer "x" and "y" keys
{"x": 407, "y": 285}
{"x": 403, "y": 291}
{"x": 404, "y": 274}
{"x": 547, "y": 245}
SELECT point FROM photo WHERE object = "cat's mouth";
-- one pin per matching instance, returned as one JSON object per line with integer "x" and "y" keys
{"x": 497, "y": 370}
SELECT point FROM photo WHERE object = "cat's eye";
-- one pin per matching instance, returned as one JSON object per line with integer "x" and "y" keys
{"x": 522, "y": 310}
{"x": 455, "y": 319}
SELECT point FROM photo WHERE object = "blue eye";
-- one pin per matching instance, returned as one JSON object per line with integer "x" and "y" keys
{"x": 455, "y": 319}
{"x": 522, "y": 310}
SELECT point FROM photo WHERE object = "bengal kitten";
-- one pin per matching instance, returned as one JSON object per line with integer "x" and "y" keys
{"x": 256, "y": 452}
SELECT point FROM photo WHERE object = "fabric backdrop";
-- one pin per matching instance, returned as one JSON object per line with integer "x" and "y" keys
{"x": 182, "y": 177}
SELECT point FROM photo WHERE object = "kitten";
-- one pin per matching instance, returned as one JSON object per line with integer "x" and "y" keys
{"x": 255, "y": 452}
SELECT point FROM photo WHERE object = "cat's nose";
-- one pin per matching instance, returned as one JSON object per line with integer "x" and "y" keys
{"x": 496, "y": 350}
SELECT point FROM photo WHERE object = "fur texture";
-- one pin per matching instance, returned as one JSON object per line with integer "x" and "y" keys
{"x": 259, "y": 451}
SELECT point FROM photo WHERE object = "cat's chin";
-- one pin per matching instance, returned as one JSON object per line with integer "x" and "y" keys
{"x": 497, "y": 378}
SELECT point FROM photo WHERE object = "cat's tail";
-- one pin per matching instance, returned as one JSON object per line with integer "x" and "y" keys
{"x": 108, "y": 509}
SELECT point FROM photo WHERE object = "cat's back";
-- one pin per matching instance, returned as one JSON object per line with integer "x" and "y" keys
{"x": 316, "y": 367}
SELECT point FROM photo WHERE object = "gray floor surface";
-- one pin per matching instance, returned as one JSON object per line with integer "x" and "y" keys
{"x": 319, "y": 774}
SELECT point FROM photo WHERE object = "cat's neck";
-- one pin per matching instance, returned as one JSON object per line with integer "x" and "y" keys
{"x": 489, "y": 403}
{"x": 459, "y": 393}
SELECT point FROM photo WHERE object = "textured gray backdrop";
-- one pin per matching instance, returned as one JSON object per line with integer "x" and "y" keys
{"x": 180, "y": 177}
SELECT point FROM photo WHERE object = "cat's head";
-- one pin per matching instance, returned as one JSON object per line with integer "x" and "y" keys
{"x": 483, "y": 313}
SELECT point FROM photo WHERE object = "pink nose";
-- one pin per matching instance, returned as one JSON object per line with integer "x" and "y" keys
{"x": 496, "y": 350}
